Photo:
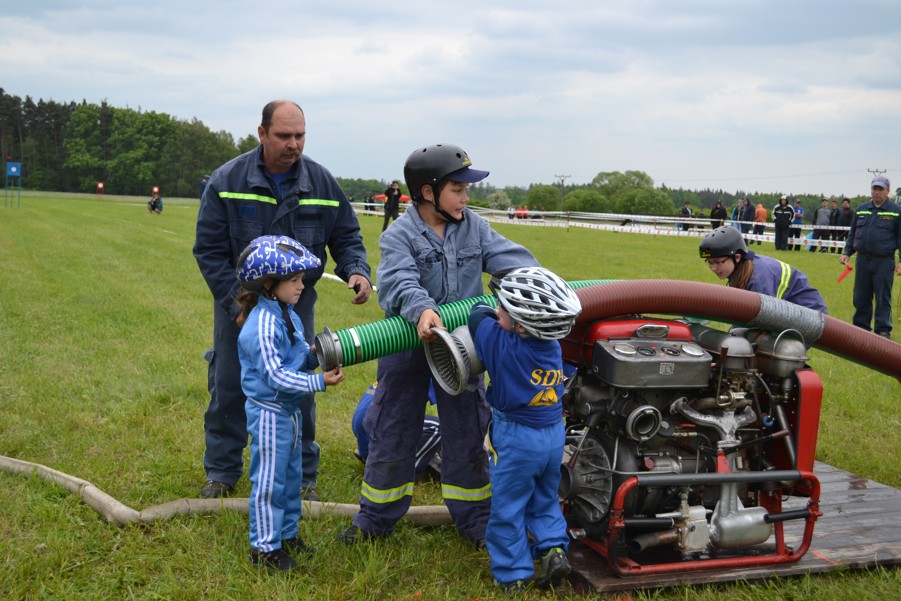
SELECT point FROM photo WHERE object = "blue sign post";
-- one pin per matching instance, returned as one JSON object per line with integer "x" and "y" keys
{"x": 13, "y": 170}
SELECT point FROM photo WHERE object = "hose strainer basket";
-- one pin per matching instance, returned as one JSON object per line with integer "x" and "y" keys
{"x": 452, "y": 359}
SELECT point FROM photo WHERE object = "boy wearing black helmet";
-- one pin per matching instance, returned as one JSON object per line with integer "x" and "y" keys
{"x": 433, "y": 254}
{"x": 727, "y": 255}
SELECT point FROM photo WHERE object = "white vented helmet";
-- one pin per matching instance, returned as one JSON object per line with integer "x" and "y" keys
{"x": 540, "y": 301}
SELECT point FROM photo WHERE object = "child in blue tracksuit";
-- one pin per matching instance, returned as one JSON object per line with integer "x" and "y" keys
{"x": 518, "y": 344}
{"x": 427, "y": 457}
{"x": 274, "y": 359}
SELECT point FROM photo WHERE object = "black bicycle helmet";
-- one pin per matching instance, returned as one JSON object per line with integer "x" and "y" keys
{"x": 724, "y": 241}
{"x": 432, "y": 164}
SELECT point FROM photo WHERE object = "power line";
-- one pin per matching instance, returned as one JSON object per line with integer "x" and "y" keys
{"x": 561, "y": 180}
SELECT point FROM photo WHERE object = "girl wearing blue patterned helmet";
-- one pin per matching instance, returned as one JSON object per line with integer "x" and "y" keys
{"x": 275, "y": 257}
{"x": 277, "y": 374}
{"x": 272, "y": 266}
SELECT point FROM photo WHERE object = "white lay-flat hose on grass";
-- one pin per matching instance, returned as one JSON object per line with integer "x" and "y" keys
{"x": 116, "y": 512}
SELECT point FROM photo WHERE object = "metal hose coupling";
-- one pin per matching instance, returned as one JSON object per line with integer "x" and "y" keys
{"x": 452, "y": 359}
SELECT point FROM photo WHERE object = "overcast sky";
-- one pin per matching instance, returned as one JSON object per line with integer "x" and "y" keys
{"x": 742, "y": 95}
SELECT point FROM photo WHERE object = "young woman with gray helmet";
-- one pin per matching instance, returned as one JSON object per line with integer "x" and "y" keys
{"x": 727, "y": 255}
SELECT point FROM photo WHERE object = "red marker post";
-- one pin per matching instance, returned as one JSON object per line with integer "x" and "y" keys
{"x": 848, "y": 269}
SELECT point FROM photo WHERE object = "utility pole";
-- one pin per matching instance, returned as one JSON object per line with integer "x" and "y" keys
{"x": 561, "y": 180}
{"x": 876, "y": 172}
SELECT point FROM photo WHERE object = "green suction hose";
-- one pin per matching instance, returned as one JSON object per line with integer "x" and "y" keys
{"x": 366, "y": 342}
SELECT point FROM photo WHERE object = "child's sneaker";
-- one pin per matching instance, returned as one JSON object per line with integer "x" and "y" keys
{"x": 554, "y": 567}
{"x": 510, "y": 588}
{"x": 296, "y": 546}
{"x": 275, "y": 561}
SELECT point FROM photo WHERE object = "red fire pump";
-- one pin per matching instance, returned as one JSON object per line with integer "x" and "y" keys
{"x": 684, "y": 440}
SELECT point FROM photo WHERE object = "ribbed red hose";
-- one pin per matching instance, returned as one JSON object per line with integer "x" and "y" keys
{"x": 678, "y": 297}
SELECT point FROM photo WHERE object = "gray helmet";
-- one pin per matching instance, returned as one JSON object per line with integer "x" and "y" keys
{"x": 724, "y": 241}
{"x": 432, "y": 164}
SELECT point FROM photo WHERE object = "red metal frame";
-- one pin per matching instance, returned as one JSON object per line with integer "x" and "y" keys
{"x": 771, "y": 501}
{"x": 804, "y": 419}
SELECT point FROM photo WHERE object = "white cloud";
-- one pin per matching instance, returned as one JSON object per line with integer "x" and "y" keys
{"x": 742, "y": 94}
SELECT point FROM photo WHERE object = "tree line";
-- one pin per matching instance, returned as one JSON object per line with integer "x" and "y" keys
{"x": 70, "y": 147}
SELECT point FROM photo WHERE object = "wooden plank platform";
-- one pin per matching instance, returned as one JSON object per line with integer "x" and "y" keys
{"x": 859, "y": 529}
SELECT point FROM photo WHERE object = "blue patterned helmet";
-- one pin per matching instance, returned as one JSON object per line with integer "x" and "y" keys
{"x": 276, "y": 257}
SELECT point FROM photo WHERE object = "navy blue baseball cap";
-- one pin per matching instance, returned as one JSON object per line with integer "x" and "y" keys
{"x": 881, "y": 182}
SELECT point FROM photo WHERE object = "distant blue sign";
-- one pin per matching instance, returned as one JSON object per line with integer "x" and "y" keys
{"x": 14, "y": 169}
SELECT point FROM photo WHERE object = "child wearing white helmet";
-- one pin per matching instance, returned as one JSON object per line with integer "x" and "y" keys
{"x": 275, "y": 359}
{"x": 518, "y": 343}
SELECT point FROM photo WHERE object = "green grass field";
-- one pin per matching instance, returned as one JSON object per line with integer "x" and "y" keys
{"x": 104, "y": 319}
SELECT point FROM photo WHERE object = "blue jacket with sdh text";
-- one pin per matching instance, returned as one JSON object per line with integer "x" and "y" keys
{"x": 526, "y": 372}
{"x": 241, "y": 202}
{"x": 272, "y": 366}
{"x": 418, "y": 270}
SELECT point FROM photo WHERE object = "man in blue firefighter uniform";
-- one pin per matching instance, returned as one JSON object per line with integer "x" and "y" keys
{"x": 272, "y": 189}
{"x": 875, "y": 236}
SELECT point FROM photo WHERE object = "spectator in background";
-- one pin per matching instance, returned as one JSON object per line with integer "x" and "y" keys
{"x": 155, "y": 204}
{"x": 834, "y": 213}
{"x": 845, "y": 219}
{"x": 685, "y": 211}
{"x": 747, "y": 215}
{"x": 760, "y": 219}
{"x": 717, "y": 215}
{"x": 783, "y": 215}
{"x": 821, "y": 217}
{"x": 797, "y": 221}
{"x": 735, "y": 214}
{"x": 203, "y": 183}
{"x": 392, "y": 203}
{"x": 876, "y": 238}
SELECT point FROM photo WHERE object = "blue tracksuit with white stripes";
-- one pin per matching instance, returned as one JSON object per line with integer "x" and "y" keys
{"x": 527, "y": 437}
{"x": 274, "y": 380}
